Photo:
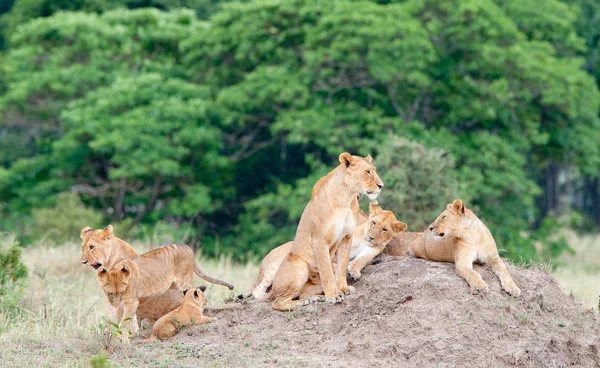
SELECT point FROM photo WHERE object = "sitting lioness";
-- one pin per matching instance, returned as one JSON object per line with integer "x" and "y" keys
{"x": 368, "y": 240}
{"x": 457, "y": 236}
{"x": 102, "y": 248}
{"x": 149, "y": 275}
{"x": 190, "y": 312}
{"x": 324, "y": 235}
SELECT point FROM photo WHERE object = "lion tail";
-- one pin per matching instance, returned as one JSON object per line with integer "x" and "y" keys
{"x": 199, "y": 272}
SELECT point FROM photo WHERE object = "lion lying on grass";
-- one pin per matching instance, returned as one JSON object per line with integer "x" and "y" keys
{"x": 460, "y": 237}
{"x": 190, "y": 312}
{"x": 149, "y": 275}
{"x": 370, "y": 236}
{"x": 324, "y": 236}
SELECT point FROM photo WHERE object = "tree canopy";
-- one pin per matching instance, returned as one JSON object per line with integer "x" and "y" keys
{"x": 219, "y": 119}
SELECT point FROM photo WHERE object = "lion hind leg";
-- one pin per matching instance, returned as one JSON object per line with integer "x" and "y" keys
{"x": 497, "y": 265}
{"x": 288, "y": 283}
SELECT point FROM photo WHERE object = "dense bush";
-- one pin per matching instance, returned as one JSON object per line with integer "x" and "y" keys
{"x": 12, "y": 272}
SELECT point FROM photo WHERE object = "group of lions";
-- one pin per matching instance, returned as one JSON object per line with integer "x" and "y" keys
{"x": 334, "y": 239}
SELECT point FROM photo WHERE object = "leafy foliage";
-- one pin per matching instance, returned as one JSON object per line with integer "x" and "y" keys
{"x": 12, "y": 270}
{"x": 221, "y": 127}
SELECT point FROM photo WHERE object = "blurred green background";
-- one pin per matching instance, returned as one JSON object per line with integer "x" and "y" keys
{"x": 208, "y": 122}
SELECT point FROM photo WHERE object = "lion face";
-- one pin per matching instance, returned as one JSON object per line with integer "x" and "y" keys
{"x": 382, "y": 225}
{"x": 195, "y": 297}
{"x": 362, "y": 175}
{"x": 449, "y": 221}
{"x": 96, "y": 246}
{"x": 115, "y": 281}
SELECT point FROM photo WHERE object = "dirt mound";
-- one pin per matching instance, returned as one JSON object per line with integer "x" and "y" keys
{"x": 410, "y": 313}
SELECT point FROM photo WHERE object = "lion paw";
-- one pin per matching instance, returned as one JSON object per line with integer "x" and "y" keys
{"x": 513, "y": 289}
{"x": 354, "y": 275}
{"x": 312, "y": 299}
{"x": 479, "y": 287}
{"x": 337, "y": 298}
{"x": 347, "y": 290}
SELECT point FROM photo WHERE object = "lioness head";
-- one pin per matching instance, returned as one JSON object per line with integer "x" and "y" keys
{"x": 96, "y": 246}
{"x": 449, "y": 221}
{"x": 361, "y": 174}
{"x": 115, "y": 281}
{"x": 195, "y": 297}
{"x": 382, "y": 225}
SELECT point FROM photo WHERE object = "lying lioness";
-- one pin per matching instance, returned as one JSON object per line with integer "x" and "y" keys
{"x": 370, "y": 236}
{"x": 190, "y": 312}
{"x": 324, "y": 234}
{"x": 149, "y": 275}
{"x": 457, "y": 236}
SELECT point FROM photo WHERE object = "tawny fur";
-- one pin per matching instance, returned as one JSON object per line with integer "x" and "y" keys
{"x": 370, "y": 236}
{"x": 323, "y": 236}
{"x": 460, "y": 237}
{"x": 189, "y": 313}
{"x": 149, "y": 275}
{"x": 100, "y": 248}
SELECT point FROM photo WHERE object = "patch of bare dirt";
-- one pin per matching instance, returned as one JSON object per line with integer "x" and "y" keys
{"x": 410, "y": 313}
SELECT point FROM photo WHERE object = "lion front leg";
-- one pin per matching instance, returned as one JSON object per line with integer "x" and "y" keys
{"x": 342, "y": 257}
{"x": 501, "y": 271}
{"x": 332, "y": 293}
{"x": 464, "y": 267}
{"x": 129, "y": 322}
{"x": 361, "y": 261}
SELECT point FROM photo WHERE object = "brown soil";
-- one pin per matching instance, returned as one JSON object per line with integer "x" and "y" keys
{"x": 410, "y": 313}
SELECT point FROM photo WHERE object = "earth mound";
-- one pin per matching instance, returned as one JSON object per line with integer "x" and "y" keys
{"x": 409, "y": 313}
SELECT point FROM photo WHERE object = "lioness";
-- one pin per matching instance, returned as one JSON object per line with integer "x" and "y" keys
{"x": 457, "y": 236}
{"x": 102, "y": 248}
{"x": 149, "y": 275}
{"x": 370, "y": 237}
{"x": 190, "y": 312}
{"x": 324, "y": 235}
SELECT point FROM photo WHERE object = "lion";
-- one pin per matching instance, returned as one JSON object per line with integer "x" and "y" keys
{"x": 370, "y": 236}
{"x": 102, "y": 248}
{"x": 324, "y": 236}
{"x": 149, "y": 275}
{"x": 460, "y": 237}
{"x": 190, "y": 312}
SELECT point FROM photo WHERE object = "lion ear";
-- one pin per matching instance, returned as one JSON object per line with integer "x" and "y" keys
{"x": 458, "y": 206}
{"x": 399, "y": 227}
{"x": 346, "y": 159}
{"x": 185, "y": 292}
{"x": 126, "y": 270}
{"x": 369, "y": 159}
{"x": 203, "y": 288}
{"x": 84, "y": 232}
{"x": 109, "y": 231}
{"x": 374, "y": 208}
{"x": 101, "y": 272}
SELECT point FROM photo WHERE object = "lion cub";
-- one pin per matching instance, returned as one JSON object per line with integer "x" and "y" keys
{"x": 151, "y": 274}
{"x": 187, "y": 314}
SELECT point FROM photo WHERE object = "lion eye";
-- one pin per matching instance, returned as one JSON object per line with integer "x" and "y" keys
{"x": 92, "y": 247}
{"x": 384, "y": 229}
{"x": 369, "y": 172}
{"x": 373, "y": 223}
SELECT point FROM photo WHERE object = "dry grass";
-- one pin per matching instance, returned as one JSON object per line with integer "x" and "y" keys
{"x": 579, "y": 273}
{"x": 58, "y": 324}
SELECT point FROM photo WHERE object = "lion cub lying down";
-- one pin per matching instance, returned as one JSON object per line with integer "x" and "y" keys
{"x": 460, "y": 237}
{"x": 370, "y": 236}
{"x": 190, "y": 312}
{"x": 151, "y": 274}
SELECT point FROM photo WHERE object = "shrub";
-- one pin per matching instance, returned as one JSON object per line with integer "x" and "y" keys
{"x": 13, "y": 273}
{"x": 63, "y": 221}
{"x": 419, "y": 181}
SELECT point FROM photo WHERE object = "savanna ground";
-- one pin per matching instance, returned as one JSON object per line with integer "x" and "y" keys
{"x": 412, "y": 313}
